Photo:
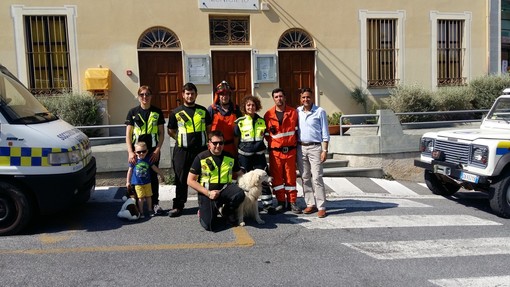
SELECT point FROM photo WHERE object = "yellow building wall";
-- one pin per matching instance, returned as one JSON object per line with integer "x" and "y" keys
{"x": 108, "y": 32}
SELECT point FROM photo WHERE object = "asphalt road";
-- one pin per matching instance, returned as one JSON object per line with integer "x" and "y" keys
{"x": 377, "y": 233}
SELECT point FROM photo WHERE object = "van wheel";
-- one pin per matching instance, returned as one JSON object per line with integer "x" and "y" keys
{"x": 15, "y": 209}
{"x": 440, "y": 186}
{"x": 499, "y": 195}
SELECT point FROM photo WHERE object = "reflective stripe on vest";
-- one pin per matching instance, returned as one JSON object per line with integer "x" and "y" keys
{"x": 212, "y": 174}
{"x": 149, "y": 127}
{"x": 187, "y": 126}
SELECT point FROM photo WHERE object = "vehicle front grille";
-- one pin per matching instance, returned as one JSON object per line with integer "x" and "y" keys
{"x": 454, "y": 152}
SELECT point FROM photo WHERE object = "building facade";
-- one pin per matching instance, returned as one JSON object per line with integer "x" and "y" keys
{"x": 332, "y": 46}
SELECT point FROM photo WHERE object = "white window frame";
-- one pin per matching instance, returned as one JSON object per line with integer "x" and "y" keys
{"x": 466, "y": 42}
{"x": 400, "y": 16}
{"x": 70, "y": 11}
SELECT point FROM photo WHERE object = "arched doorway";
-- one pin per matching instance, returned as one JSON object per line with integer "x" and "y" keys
{"x": 160, "y": 64}
{"x": 296, "y": 63}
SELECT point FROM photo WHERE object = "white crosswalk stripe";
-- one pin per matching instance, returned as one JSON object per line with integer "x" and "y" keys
{"x": 384, "y": 221}
{"x": 342, "y": 186}
{"x": 391, "y": 250}
{"x": 394, "y": 187}
{"x": 489, "y": 281}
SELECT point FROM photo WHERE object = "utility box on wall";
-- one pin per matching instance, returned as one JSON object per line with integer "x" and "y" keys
{"x": 98, "y": 81}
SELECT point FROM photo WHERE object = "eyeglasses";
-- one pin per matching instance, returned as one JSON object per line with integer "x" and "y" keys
{"x": 141, "y": 151}
{"x": 144, "y": 95}
{"x": 216, "y": 143}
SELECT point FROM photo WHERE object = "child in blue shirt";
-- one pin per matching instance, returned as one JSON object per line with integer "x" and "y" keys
{"x": 138, "y": 175}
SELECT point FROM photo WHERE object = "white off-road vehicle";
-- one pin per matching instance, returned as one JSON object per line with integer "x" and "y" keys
{"x": 475, "y": 159}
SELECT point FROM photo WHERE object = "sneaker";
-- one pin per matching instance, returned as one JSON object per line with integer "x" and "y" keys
{"x": 295, "y": 208}
{"x": 269, "y": 209}
{"x": 175, "y": 212}
{"x": 280, "y": 208}
{"x": 158, "y": 210}
{"x": 142, "y": 216}
{"x": 152, "y": 213}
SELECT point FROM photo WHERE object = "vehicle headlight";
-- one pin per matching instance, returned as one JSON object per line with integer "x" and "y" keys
{"x": 426, "y": 145}
{"x": 69, "y": 157}
{"x": 479, "y": 155}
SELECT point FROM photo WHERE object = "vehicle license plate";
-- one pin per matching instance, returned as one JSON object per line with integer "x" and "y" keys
{"x": 469, "y": 177}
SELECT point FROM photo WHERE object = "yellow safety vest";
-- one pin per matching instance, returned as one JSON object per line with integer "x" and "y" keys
{"x": 148, "y": 128}
{"x": 211, "y": 173}
{"x": 191, "y": 126}
{"x": 249, "y": 132}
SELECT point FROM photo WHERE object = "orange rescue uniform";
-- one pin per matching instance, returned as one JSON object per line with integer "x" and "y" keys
{"x": 282, "y": 143}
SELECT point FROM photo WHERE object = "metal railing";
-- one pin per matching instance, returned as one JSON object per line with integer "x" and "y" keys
{"x": 103, "y": 127}
{"x": 343, "y": 119}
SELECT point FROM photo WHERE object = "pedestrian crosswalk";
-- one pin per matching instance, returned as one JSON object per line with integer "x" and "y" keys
{"x": 335, "y": 187}
{"x": 417, "y": 206}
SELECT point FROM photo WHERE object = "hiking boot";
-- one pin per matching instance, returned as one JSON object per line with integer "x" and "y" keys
{"x": 295, "y": 208}
{"x": 280, "y": 207}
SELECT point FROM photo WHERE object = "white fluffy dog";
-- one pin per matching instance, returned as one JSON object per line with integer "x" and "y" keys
{"x": 251, "y": 183}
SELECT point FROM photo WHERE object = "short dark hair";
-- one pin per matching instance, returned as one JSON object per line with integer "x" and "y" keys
{"x": 254, "y": 99}
{"x": 189, "y": 87}
{"x": 216, "y": 133}
{"x": 304, "y": 90}
{"x": 277, "y": 90}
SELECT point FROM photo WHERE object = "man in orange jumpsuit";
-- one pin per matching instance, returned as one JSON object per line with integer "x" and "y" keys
{"x": 282, "y": 124}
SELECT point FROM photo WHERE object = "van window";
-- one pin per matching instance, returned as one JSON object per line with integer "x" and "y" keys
{"x": 18, "y": 105}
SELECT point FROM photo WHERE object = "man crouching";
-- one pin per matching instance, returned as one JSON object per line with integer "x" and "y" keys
{"x": 211, "y": 176}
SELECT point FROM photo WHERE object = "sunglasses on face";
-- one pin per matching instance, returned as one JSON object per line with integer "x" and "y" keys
{"x": 141, "y": 151}
{"x": 216, "y": 143}
{"x": 144, "y": 95}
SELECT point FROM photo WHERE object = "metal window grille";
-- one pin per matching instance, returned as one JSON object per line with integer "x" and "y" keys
{"x": 158, "y": 38}
{"x": 382, "y": 53}
{"x": 295, "y": 39}
{"x": 48, "y": 54}
{"x": 229, "y": 31}
{"x": 450, "y": 53}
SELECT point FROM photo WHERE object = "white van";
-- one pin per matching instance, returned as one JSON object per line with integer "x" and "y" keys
{"x": 46, "y": 164}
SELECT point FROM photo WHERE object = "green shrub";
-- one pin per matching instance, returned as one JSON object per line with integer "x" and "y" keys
{"x": 411, "y": 98}
{"x": 453, "y": 99}
{"x": 76, "y": 109}
{"x": 486, "y": 89}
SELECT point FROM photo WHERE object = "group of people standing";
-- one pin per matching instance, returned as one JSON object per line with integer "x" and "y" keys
{"x": 217, "y": 144}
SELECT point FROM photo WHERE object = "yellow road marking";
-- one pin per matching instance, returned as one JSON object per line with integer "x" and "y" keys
{"x": 242, "y": 239}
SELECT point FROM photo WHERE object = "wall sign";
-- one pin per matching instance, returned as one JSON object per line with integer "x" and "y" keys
{"x": 265, "y": 68}
{"x": 229, "y": 4}
{"x": 198, "y": 69}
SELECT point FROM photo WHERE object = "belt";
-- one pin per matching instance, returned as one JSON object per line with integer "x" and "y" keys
{"x": 284, "y": 149}
{"x": 308, "y": 143}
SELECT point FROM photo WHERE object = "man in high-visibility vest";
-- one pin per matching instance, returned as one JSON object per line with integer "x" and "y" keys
{"x": 188, "y": 124}
{"x": 281, "y": 135}
{"x": 211, "y": 176}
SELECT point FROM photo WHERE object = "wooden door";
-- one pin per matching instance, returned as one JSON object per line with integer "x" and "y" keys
{"x": 296, "y": 70}
{"x": 235, "y": 68}
{"x": 162, "y": 71}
